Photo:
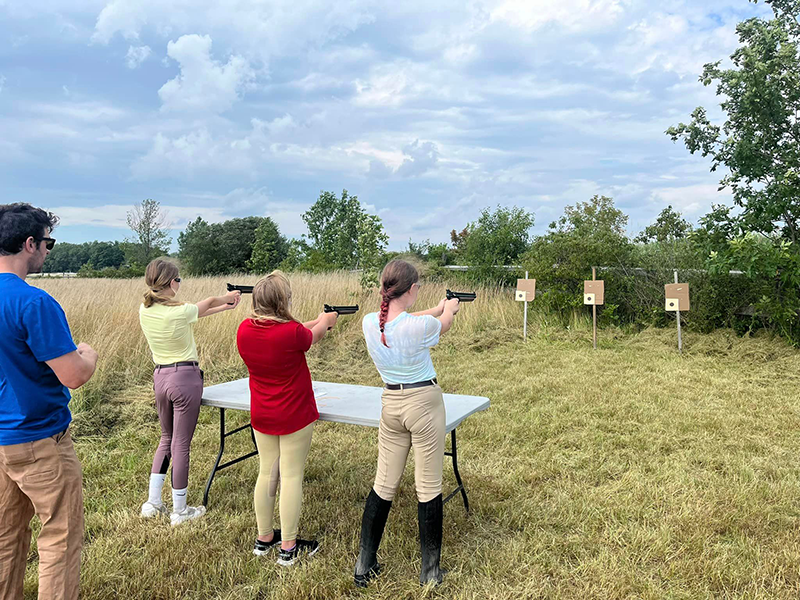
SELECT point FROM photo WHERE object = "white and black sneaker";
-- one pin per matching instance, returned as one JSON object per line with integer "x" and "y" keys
{"x": 264, "y": 547}
{"x": 302, "y": 548}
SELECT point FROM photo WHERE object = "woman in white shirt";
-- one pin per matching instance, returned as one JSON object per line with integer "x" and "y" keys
{"x": 412, "y": 415}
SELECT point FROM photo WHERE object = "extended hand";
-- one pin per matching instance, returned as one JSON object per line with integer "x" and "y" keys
{"x": 452, "y": 305}
{"x": 330, "y": 319}
{"x": 233, "y": 298}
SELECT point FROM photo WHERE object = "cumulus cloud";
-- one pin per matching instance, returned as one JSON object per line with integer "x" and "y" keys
{"x": 421, "y": 158}
{"x": 570, "y": 14}
{"x": 203, "y": 83}
{"x": 137, "y": 55}
{"x": 252, "y": 27}
{"x": 525, "y": 102}
{"x": 186, "y": 155}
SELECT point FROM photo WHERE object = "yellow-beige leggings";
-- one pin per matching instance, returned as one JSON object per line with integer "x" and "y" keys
{"x": 282, "y": 458}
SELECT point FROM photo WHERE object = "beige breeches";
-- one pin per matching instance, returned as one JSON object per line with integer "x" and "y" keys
{"x": 409, "y": 418}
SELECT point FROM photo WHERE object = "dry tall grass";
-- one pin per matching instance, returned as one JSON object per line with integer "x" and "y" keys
{"x": 626, "y": 472}
{"x": 104, "y": 313}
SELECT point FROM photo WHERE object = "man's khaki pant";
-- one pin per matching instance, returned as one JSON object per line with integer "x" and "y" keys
{"x": 42, "y": 477}
{"x": 409, "y": 418}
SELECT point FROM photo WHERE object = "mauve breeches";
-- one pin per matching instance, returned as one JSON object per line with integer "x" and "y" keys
{"x": 178, "y": 394}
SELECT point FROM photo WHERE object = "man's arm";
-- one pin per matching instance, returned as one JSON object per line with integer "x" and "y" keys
{"x": 75, "y": 368}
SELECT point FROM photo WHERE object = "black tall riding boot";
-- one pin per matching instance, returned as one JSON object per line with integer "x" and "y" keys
{"x": 430, "y": 539}
{"x": 373, "y": 523}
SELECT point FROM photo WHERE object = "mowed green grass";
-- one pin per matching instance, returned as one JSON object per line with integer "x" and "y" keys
{"x": 625, "y": 472}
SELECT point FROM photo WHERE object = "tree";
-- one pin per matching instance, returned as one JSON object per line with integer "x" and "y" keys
{"x": 370, "y": 248}
{"x": 499, "y": 237}
{"x": 587, "y": 235}
{"x": 435, "y": 253}
{"x": 343, "y": 234}
{"x": 759, "y": 141}
{"x": 459, "y": 241}
{"x": 269, "y": 249}
{"x": 69, "y": 258}
{"x": 198, "y": 250}
{"x": 151, "y": 237}
{"x": 218, "y": 248}
{"x": 235, "y": 241}
{"x": 669, "y": 227}
{"x": 104, "y": 255}
{"x": 296, "y": 254}
{"x": 716, "y": 229}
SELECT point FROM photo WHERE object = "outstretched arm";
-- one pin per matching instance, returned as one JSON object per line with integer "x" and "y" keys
{"x": 210, "y": 305}
{"x": 436, "y": 311}
{"x": 450, "y": 309}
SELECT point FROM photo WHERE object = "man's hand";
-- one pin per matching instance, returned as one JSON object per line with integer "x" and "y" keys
{"x": 87, "y": 352}
{"x": 76, "y": 368}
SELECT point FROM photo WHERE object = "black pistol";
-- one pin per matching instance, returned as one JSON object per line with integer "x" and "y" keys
{"x": 245, "y": 289}
{"x": 341, "y": 310}
{"x": 462, "y": 296}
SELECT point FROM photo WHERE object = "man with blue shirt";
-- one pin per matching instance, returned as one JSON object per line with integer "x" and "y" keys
{"x": 39, "y": 470}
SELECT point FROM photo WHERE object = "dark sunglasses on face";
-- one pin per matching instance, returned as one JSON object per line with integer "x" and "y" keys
{"x": 178, "y": 279}
{"x": 49, "y": 242}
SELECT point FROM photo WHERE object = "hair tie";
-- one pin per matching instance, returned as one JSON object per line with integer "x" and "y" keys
{"x": 381, "y": 328}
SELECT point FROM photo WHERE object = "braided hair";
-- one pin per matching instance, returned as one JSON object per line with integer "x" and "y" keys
{"x": 397, "y": 278}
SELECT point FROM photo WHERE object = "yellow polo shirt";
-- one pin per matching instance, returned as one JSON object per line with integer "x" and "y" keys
{"x": 169, "y": 333}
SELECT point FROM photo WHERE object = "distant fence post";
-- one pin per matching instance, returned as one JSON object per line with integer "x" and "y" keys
{"x": 678, "y": 318}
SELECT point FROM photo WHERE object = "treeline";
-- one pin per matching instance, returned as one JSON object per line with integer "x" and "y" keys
{"x": 69, "y": 258}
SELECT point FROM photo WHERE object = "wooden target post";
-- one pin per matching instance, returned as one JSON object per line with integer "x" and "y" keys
{"x": 526, "y": 292}
{"x": 676, "y": 298}
{"x": 594, "y": 295}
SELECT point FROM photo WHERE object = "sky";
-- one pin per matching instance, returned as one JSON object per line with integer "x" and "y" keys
{"x": 427, "y": 111}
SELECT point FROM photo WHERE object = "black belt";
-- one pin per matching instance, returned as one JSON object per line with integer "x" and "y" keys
{"x": 405, "y": 386}
{"x": 188, "y": 363}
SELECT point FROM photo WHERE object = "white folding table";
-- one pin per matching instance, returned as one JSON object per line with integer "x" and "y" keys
{"x": 338, "y": 403}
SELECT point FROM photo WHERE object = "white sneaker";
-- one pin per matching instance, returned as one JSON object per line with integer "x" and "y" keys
{"x": 188, "y": 513}
{"x": 150, "y": 510}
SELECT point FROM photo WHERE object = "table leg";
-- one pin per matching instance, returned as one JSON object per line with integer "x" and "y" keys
{"x": 222, "y": 435}
{"x": 454, "y": 453}
{"x": 219, "y": 456}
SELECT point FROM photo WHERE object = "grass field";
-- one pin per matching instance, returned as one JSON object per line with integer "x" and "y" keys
{"x": 625, "y": 472}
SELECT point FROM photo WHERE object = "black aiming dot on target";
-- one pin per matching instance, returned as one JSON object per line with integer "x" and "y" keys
{"x": 671, "y": 304}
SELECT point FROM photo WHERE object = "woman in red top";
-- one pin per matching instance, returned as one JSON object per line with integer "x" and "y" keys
{"x": 282, "y": 408}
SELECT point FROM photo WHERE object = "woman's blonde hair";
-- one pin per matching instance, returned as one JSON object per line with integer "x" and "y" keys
{"x": 272, "y": 295}
{"x": 158, "y": 276}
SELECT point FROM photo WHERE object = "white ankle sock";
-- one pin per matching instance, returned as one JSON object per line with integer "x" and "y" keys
{"x": 156, "y": 483}
{"x": 179, "y": 500}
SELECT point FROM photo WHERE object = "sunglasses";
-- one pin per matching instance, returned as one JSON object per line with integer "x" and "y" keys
{"x": 178, "y": 279}
{"x": 49, "y": 242}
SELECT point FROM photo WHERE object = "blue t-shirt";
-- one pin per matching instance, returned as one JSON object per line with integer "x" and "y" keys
{"x": 33, "y": 329}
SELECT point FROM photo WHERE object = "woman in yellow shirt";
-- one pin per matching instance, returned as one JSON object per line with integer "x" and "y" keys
{"x": 177, "y": 381}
